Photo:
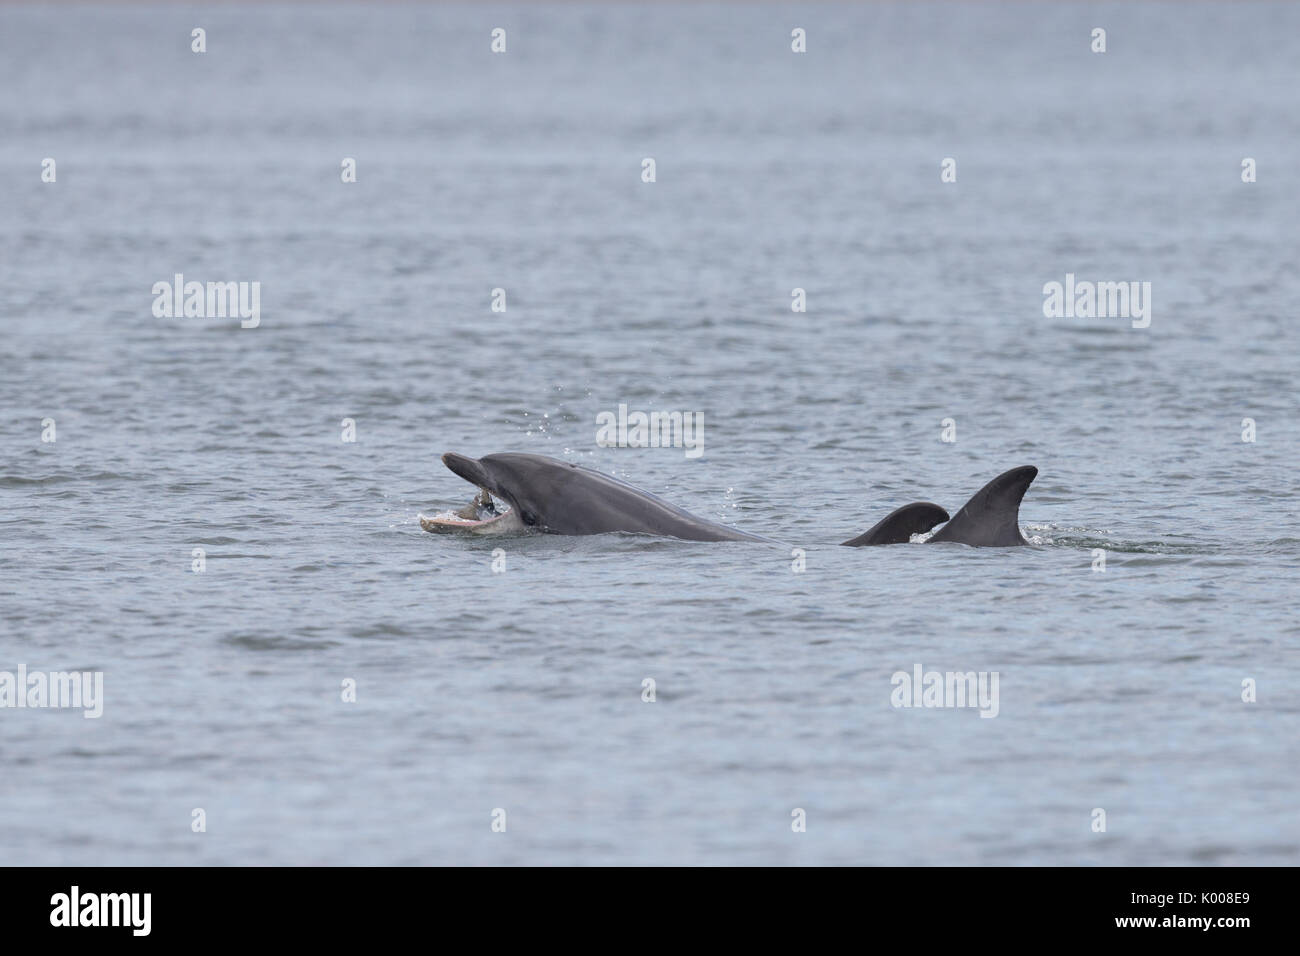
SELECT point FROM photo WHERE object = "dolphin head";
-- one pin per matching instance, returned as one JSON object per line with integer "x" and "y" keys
{"x": 518, "y": 480}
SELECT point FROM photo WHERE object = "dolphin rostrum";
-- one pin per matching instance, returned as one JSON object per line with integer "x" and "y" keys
{"x": 560, "y": 497}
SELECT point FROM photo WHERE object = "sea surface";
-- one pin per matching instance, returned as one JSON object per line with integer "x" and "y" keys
{"x": 521, "y": 690}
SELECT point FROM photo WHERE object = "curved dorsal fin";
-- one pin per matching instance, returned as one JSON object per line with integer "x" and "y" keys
{"x": 991, "y": 519}
{"x": 899, "y": 526}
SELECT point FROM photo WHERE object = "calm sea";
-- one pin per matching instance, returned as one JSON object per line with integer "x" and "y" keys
{"x": 522, "y": 690}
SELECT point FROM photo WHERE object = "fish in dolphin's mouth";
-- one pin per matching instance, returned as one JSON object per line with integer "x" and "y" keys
{"x": 481, "y": 516}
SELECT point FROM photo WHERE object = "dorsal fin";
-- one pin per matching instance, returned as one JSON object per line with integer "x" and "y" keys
{"x": 899, "y": 526}
{"x": 991, "y": 519}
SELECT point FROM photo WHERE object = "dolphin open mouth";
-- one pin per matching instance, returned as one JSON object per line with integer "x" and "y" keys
{"x": 480, "y": 516}
{"x": 483, "y": 515}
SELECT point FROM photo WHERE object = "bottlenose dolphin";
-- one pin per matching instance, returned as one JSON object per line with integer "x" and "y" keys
{"x": 991, "y": 519}
{"x": 560, "y": 497}
{"x": 900, "y": 524}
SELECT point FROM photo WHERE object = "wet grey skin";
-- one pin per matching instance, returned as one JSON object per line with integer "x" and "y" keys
{"x": 560, "y": 497}
{"x": 991, "y": 519}
{"x": 899, "y": 525}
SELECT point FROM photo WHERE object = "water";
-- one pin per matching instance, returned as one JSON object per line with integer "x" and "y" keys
{"x": 521, "y": 690}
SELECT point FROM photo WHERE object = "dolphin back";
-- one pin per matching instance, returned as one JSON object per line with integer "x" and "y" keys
{"x": 573, "y": 499}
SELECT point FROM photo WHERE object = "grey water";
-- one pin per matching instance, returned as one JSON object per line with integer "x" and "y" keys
{"x": 1160, "y": 690}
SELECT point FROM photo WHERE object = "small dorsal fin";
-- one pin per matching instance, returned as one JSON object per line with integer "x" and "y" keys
{"x": 899, "y": 526}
